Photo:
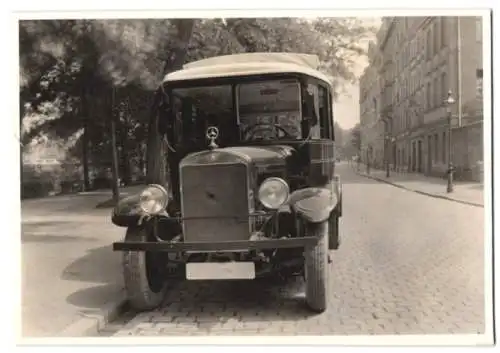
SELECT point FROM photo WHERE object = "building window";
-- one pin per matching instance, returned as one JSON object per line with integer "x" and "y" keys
{"x": 436, "y": 36}
{"x": 444, "y": 86}
{"x": 436, "y": 148}
{"x": 437, "y": 96}
{"x": 479, "y": 29}
{"x": 428, "y": 104}
{"x": 479, "y": 83}
{"x": 417, "y": 45}
{"x": 429, "y": 44}
{"x": 443, "y": 31}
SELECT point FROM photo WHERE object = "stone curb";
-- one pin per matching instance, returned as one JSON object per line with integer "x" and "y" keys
{"x": 91, "y": 324}
{"x": 470, "y": 203}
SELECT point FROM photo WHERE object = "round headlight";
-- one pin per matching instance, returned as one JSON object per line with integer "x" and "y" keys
{"x": 153, "y": 199}
{"x": 273, "y": 192}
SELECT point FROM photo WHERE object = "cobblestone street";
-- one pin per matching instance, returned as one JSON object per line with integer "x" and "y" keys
{"x": 408, "y": 263}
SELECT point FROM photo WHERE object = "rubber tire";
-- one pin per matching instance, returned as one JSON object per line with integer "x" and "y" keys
{"x": 316, "y": 268}
{"x": 333, "y": 231}
{"x": 137, "y": 288}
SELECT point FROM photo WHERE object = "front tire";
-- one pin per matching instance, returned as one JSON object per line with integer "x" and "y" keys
{"x": 145, "y": 285}
{"x": 316, "y": 268}
{"x": 333, "y": 231}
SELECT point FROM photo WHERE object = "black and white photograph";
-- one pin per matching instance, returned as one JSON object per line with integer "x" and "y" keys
{"x": 318, "y": 177}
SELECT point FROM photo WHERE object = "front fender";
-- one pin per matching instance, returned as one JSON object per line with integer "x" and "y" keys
{"x": 314, "y": 203}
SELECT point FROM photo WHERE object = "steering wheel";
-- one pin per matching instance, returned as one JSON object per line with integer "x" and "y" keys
{"x": 250, "y": 131}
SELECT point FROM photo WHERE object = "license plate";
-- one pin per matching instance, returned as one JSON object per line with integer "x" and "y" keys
{"x": 220, "y": 270}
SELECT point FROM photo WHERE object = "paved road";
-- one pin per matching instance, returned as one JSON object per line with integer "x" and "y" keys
{"x": 408, "y": 264}
{"x": 68, "y": 266}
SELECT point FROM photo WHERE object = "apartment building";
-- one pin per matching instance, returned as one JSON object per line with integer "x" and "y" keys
{"x": 423, "y": 59}
{"x": 371, "y": 131}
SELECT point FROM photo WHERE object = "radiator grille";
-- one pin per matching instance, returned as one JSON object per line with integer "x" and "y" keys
{"x": 215, "y": 203}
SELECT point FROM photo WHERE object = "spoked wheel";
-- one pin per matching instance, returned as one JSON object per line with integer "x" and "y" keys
{"x": 316, "y": 267}
{"x": 144, "y": 277}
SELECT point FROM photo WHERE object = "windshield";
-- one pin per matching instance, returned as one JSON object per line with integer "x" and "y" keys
{"x": 264, "y": 110}
{"x": 264, "y": 105}
{"x": 197, "y": 108}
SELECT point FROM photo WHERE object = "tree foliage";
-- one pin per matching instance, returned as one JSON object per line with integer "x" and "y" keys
{"x": 356, "y": 138}
{"x": 68, "y": 69}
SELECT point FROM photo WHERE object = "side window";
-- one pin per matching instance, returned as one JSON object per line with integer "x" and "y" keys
{"x": 324, "y": 114}
{"x": 322, "y": 127}
{"x": 178, "y": 125}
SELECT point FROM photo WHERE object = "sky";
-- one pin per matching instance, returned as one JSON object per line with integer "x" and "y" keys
{"x": 346, "y": 109}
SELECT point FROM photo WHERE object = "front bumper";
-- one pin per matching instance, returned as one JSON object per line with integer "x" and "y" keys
{"x": 226, "y": 246}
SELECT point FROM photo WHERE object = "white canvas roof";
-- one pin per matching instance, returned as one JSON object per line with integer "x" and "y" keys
{"x": 292, "y": 58}
{"x": 249, "y": 64}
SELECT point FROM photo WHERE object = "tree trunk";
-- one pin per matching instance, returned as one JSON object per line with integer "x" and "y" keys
{"x": 85, "y": 138}
{"x": 124, "y": 156}
{"x": 156, "y": 152}
{"x": 114, "y": 151}
{"x": 85, "y": 156}
{"x": 142, "y": 161}
{"x": 21, "y": 145}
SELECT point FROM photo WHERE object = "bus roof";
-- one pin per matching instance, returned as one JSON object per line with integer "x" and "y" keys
{"x": 249, "y": 64}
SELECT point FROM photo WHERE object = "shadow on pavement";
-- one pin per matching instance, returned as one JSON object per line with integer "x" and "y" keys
{"x": 44, "y": 232}
{"x": 53, "y": 230}
{"x": 63, "y": 204}
{"x": 95, "y": 298}
{"x": 100, "y": 266}
{"x": 48, "y": 238}
{"x": 26, "y": 224}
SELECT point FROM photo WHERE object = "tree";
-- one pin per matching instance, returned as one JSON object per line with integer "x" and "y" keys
{"x": 113, "y": 117}
{"x": 68, "y": 68}
{"x": 356, "y": 138}
{"x": 156, "y": 149}
{"x": 339, "y": 134}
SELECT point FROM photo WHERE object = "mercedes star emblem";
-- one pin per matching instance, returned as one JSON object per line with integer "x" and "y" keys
{"x": 212, "y": 134}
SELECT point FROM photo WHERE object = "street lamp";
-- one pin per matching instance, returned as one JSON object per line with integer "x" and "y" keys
{"x": 387, "y": 144}
{"x": 368, "y": 159}
{"x": 449, "y": 101}
{"x": 386, "y": 155}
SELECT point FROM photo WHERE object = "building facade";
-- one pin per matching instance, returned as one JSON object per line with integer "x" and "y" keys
{"x": 371, "y": 131}
{"x": 422, "y": 60}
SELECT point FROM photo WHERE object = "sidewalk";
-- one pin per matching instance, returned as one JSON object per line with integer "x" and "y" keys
{"x": 71, "y": 278}
{"x": 471, "y": 193}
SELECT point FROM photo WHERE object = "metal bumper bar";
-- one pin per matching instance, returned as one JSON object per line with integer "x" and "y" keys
{"x": 215, "y": 246}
